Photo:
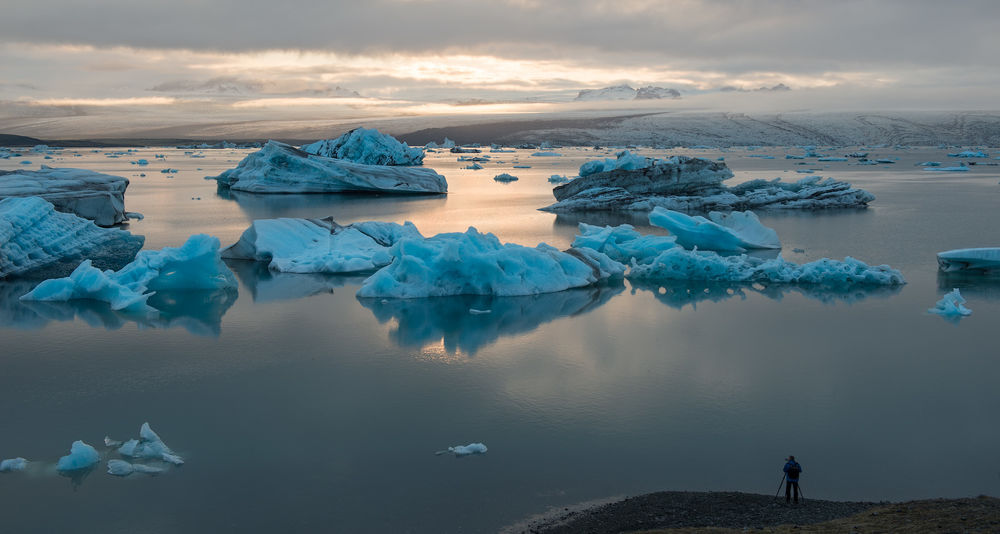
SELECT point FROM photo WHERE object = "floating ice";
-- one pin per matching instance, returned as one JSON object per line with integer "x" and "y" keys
{"x": 558, "y": 179}
{"x": 547, "y": 154}
{"x": 13, "y": 464}
{"x": 474, "y": 167}
{"x": 466, "y": 450}
{"x": 472, "y": 263}
{"x": 36, "y": 240}
{"x": 368, "y": 147}
{"x": 832, "y": 158}
{"x": 504, "y": 177}
{"x": 684, "y": 183}
{"x": 680, "y": 264}
{"x": 969, "y": 154}
{"x": 88, "y": 194}
{"x": 625, "y": 161}
{"x": 951, "y": 305}
{"x": 961, "y": 168}
{"x": 121, "y": 468}
{"x": 280, "y": 168}
{"x": 149, "y": 445}
{"x": 193, "y": 266}
{"x": 81, "y": 456}
{"x": 929, "y": 164}
{"x": 319, "y": 245}
{"x": 622, "y": 243}
{"x": 970, "y": 259}
{"x": 724, "y": 232}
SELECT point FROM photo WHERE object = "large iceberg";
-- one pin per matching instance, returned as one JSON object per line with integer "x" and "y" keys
{"x": 683, "y": 183}
{"x": 367, "y": 146}
{"x": 970, "y": 259}
{"x": 319, "y": 245}
{"x": 81, "y": 456}
{"x": 472, "y": 263}
{"x": 280, "y": 168}
{"x": 723, "y": 232}
{"x": 38, "y": 241}
{"x": 91, "y": 195}
{"x": 196, "y": 265}
{"x": 951, "y": 306}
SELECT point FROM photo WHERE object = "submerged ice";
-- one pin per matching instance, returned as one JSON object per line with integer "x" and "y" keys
{"x": 369, "y": 147}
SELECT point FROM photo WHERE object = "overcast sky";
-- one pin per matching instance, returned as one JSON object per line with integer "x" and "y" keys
{"x": 242, "y": 58}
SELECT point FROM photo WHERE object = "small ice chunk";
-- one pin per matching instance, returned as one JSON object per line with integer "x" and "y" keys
{"x": 951, "y": 306}
{"x": 504, "y": 177}
{"x": 466, "y": 450}
{"x": 108, "y": 442}
{"x": 119, "y": 468}
{"x": 474, "y": 167}
{"x": 474, "y": 311}
{"x": 149, "y": 445}
{"x": 547, "y": 155}
{"x": 969, "y": 154}
{"x": 961, "y": 168}
{"x": 13, "y": 464}
{"x": 558, "y": 179}
{"x": 81, "y": 456}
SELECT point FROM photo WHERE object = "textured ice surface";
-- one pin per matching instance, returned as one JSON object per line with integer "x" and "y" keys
{"x": 684, "y": 183}
{"x": 91, "y": 195}
{"x": 319, "y": 245}
{"x": 472, "y": 263}
{"x": 150, "y": 446}
{"x": 13, "y": 464}
{"x": 280, "y": 168}
{"x": 970, "y": 259}
{"x": 951, "y": 305}
{"x": 36, "y": 240}
{"x": 680, "y": 264}
{"x": 81, "y": 456}
{"x": 466, "y": 450}
{"x": 367, "y": 146}
{"x": 723, "y": 232}
{"x": 195, "y": 265}
{"x": 622, "y": 243}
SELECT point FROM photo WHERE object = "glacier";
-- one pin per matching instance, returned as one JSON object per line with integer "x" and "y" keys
{"x": 683, "y": 183}
{"x": 280, "y": 168}
{"x": 970, "y": 259}
{"x": 722, "y": 232}
{"x": 81, "y": 456}
{"x": 88, "y": 194}
{"x": 472, "y": 263}
{"x": 196, "y": 265}
{"x": 368, "y": 147}
{"x": 38, "y": 241}
{"x": 319, "y": 245}
{"x": 951, "y": 306}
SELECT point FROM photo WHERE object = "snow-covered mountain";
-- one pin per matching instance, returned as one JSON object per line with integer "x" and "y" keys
{"x": 626, "y": 92}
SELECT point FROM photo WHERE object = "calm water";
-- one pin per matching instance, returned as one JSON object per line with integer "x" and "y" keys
{"x": 299, "y": 407}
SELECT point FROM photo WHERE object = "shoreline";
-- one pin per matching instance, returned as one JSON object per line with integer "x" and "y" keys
{"x": 723, "y": 512}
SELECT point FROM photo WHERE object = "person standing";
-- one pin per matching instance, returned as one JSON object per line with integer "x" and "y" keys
{"x": 792, "y": 470}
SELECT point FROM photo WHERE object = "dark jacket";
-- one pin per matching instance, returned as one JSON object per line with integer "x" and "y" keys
{"x": 788, "y": 467}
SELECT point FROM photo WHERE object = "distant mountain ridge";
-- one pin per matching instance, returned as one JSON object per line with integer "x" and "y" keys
{"x": 626, "y": 92}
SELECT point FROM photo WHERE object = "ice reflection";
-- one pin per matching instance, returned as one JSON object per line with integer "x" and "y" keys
{"x": 266, "y": 285}
{"x": 468, "y": 323}
{"x": 269, "y": 206}
{"x": 198, "y": 312}
{"x": 678, "y": 294}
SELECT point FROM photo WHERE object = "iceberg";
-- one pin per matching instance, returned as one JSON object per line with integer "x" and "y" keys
{"x": 280, "y": 168}
{"x": 88, "y": 194}
{"x": 368, "y": 147}
{"x": 961, "y": 168}
{"x": 951, "y": 306}
{"x": 622, "y": 243}
{"x": 545, "y": 154}
{"x": 466, "y": 450}
{"x": 723, "y": 232}
{"x": 969, "y": 154}
{"x": 472, "y": 263}
{"x": 558, "y": 179}
{"x": 680, "y": 264}
{"x": 81, "y": 456}
{"x": 38, "y": 241}
{"x": 969, "y": 259}
{"x": 505, "y": 178}
{"x": 196, "y": 265}
{"x": 13, "y": 464}
{"x": 319, "y": 245}
{"x": 682, "y": 183}
{"x": 121, "y": 468}
{"x": 150, "y": 446}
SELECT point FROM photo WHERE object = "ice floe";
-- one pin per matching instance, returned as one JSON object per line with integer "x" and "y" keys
{"x": 472, "y": 263}
{"x": 951, "y": 306}
{"x": 280, "y": 168}
{"x": 368, "y": 147}
{"x": 684, "y": 183}
{"x": 81, "y": 456}
{"x": 723, "y": 232}
{"x": 149, "y": 446}
{"x": 970, "y": 259}
{"x": 196, "y": 265}
{"x": 38, "y": 241}
{"x": 465, "y": 450}
{"x": 319, "y": 245}
{"x": 88, "y": 194}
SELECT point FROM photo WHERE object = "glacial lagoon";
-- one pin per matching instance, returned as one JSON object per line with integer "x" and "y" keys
{"x": 299, "y": 407}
